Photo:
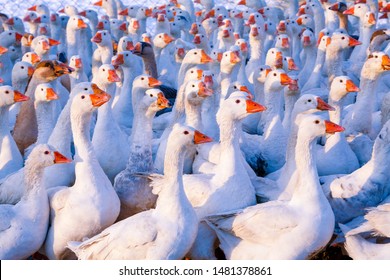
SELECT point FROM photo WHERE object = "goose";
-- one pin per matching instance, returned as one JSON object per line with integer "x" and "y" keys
{"x": 339, "y": 8}
{"x": 41, "y": 9}
{"x": 24, "y": 225}
{"x": 15, "y": 23}
{"x": 230, "y": 65}
{"x": 73, "y": 34}
{"x": 41, "y": 45}
{"x": 31, "y": 57}
{"x": 25, "y": 130}
{"x": 78, "y": 75}
{"x": 118, "y": 28}
{"x": 282, "y": 42}
{"x": 134, "y": 30}
{"x": 11, "y": 159}
{"x": 336, "y": 145}
{"x": 30, "y": 17}
{"x": 109, "y": 6}
{"x": 359, "y": 248}
{"x": 309, "y": 46}
{"x": 162, "y": 41}
{"x": 95, "y": 191}
{"x": 55, "y": 30}
{"x": 306, "y": 21}
{"x": 104, "y": 52}
{"x": 112, "y": 155}
{"x": 314, "y": 9}
{"x": 257, "y": 54}
{"x": 351, "y": 194}
{"x": 5, "y": 65}
{"x": 241, "y": 240}
{"x": 134, "y": 192}
{"x": 230, "y": 178}
{"x": 274, "y": 58}
{"x": 26, "y": 42}
{"x": 155, "y": 242}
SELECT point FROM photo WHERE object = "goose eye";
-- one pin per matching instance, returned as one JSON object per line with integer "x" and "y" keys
{"x": 309, "y": 100}
{"x": 41, "y": 89}
{"x": 235, "y": 87}
{"x": 6, "y": 92}
{"x": 238, "y": 101}
{"x": 127, "y": 54}
{"x": 83, "y": 96}
{"x": 316, "y": 121}
{"x": 341, "y": 81}
{"x": 275, "y": 74}
{"x": 10, "y": 33}
{"x": 261, "y": 69}
{"x": 104, "y": 69}
{"x": 22, "y": 67}
{"x": 376, "y": 56}
{"x": 104, "y": 33}
{"x": 185, "y": 132}
{"x": 46, "y": 152}
{"x": 195, "y": 53}
{"x": 193, "y": 85}
{"x": 142, "y": 78}
{"x": 151, "y": 95}
{"x": 342, "y": 38}
{"x": 192, "y": 72}
{"x": 85, "y": 88}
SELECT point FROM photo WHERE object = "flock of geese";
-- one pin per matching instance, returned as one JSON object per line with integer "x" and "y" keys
{"x": 182, "y": 130}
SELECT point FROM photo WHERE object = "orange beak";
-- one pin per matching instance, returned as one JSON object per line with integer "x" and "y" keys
{"x": 99, "y": 99}
{"x": 3, "y": 50}
{"x": 245, "y": 89}
{"x": 254, "y": 31}
{"x": 168, "y": 39}
{"x": 234, "y": 58}
{"x": 225, "y": 33}
{"x": 204, "y": 91}
{"x": 113, "y": 76}
{"x": 59, "y": 158}
{"x": 33, "y": 8}
{"x": 251, "y": 19}
{"x": 37, "y": 20}
{"x": 135, "y": 25}
{"x": 119, "y": 60}
{"x": 323, "y": 106}
{"x": 123, "y": 26}
{"x": 154, "y": 82}
{"x": 239, "y": 15}
{"x": 81, "y": 24}
{"x": 18, "y": 36}
{"x": 42, "y": 30}
{"x": 306, "y": 41}
{"x": 124, "y": 12}
{"x": 19, "y": 97}
{"x": 62, "y": 10}
{"x": 242, "y": 2}
{"x": 285, "y": 43}
{"x": 279, "y": 60}
{"x": 335, "y": 7}
{"x": 148, "y": 12}
{"x": 244, "y": 47}
{"x": 350, "y": 11}
{"x": 27, "y": 18}
{"x": 162, "y": 102}
{"x": 10, "y": 21}
{"x": 83, "y": 13}
{"x": 205, "y": 58}
{"x": 78, "y": 63}
{"x": 53, "y": 42}
{"x": 371, "y": 19}
{"x": 100, "y": 25}
{"x": 332, "y": 128}
{"x": 51, "y": 94}
{"x": 282, "y": 26}
{"x": 351, "y": 87}
{"x": 328, "y": 41}
{"x": 299, "y": 21}
{"x": 385, "y": 62}
{"x": 353, "y": 42}
{"x": 254, "y": 107}
{"x": 97, "y": 38}
{"x": 320, "y": 35}
{"x": 129, "y": 46}
{"x": 35, "y": 58}
{"x": 286, "y": 80}
{"x": 200, "y": 138}
{"x": 53, "y": 17}
{"x": 30, "y": 71}
{"x": 99, "y": 3}
{"x": 181, "y": 52}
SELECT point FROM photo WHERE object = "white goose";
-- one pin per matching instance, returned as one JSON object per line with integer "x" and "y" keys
{"x": 291, "y": 236}
{"x": 149, "y": 233}
{"x": 92, "y": 193}
{"x": 10, "y": 157}
{"x": 23, "y": 226}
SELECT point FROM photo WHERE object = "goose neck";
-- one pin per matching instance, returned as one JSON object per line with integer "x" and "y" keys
{"x": 142, "y": 133}
{"x": 4, "y": 119}
{"x": 256, "y": 49}
{"x": 61, "y": 135}
{"x": 45, "y": 123}
{"x": 193, "y": 115}
{"x": 80, "y": 123}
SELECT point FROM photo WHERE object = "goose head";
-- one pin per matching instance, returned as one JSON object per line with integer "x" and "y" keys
{"x": 323, "y": 42}
{"x": 341, "y": 86}
{"x": 133, "y": 26}
{"x": 237, "y": 107}
{"x": 282, "y": 42}
{"x": 10, "y": 37}
{"x": 27, "y": 39}
{"x": 125, "y": 44}
{"x": 255, "y": 33}
{"x": 42, "y": 44}
{"x": 162, "y": 40}
{"x": 10, "y": 96}
{"x": 180, "y": 51}
{"x": 207, "y": 26}
{"x": 196, "y": 91}
{"x": 226, "y": 34}
{"x": 49, "y": 70}
{"x": 230, "y": 59}
{"x": 84, "y": 102}
{"x": 117, "y": 25}
{"x": 154, "y": 101}
{"x": 76, "y": 62}
{"x": 145, "y": 82}
{"x": 237, "y": 86}
{"x": 64, "y": 21}
{"x": 76, "y": 22}
{"x": 197, "y": 56}
{"x": 358, "y": 10}
{"x": 306, "y": 20}
{"x": 15, "y": 23}
{"x": 21, "y": 72}
{"x": 277, "y": 79}
{"x": 261, "y": 73}
{"x": 208, "y": 77}
{"x": 185, "y": 136}
{"x": 130, "y": 11}
{"x": 307, "y": 38}
{"x": 103, "y": 24}
{"x": 369, "y": 19}
{"x": 107, "y": 74}
{"x": 338, "y": 7}
{"x": 70, "y": 10}
{"x": 146, "y": 37}
{"x": 31, "y": 57}
{"x": 45, "y": 93}
{"x": 200, "y": 40}
{"x": 377, "y": 62}
{"x": 44, "y": 29}
{"x": 341, "y": 40}
{"x": 143, "y": 13}
{"x": 310, "y": 103}
{"x": 289, "y": 64}
{"x": 143, "y": 49}
{"x": 194, "y": 73}
{"x": 274, "y": 58}
{"x": 243, "y": 46}
{"x": 102, "y": 38}
{"x": 30, "y": 16}
{"x": 270, "y": 27}
{"x": 312, "y": 126}
{"x": 255, "y": 18}
{"x": 44, "y": 155}
{"x": 91, "y": 15}
{"x": 41, "y": 9}
{"x": 42, "y": 19}
{"x": 124, "y": 58}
